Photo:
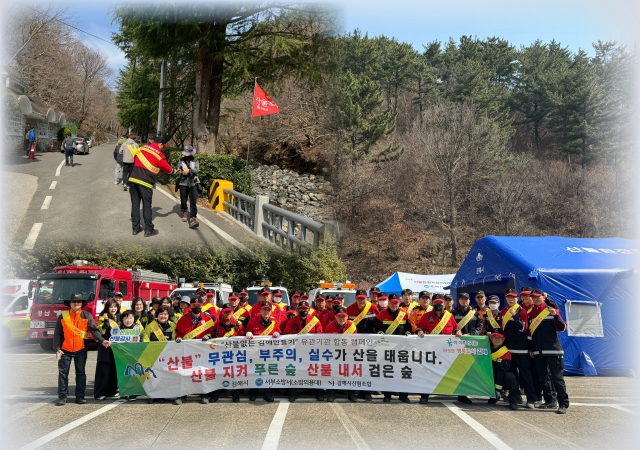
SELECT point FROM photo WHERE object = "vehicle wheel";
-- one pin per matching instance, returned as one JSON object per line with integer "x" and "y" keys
{"x": 46, "y": 344}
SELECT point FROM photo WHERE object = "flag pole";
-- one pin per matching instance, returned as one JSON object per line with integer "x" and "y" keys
{"x": 255, "y": 81}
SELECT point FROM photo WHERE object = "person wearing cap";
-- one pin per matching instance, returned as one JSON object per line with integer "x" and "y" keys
{"x": 188, "y": 168}
{"x": 448, "y": 303}
{"x": 470, "y": 324}
{"x": 544, "y": 324}
{"x": 480, "y": 307}
{"x": 276, "y": 295}
{"x": 148, "y": 161}
{"x": 363, "y": 313}
{"x": 264, "y": 294}
{"x": 503, "y": 379}
{"x": 262, "y": 325}
{"x": 244, "y": 300}
{"x": 407, "y": 303}
{"x": 339, "y": 325}
{"x": 492, "y": 318}
{"x": 72, "y": 328}
{"x": 209, "y": 306}
{"x": 437, "y": 321}
{"x": 424, "y": 298}
{"x": 514, "y": 322}
{"x": 155, "y": 303}
{"x": 106, "y": 376}
{"x": 394, "y": 321}
{"x": 321, "y": 311}
{"x": 283, "y": 325}
{"x": 374, "y": 292}
{"x": 295, "y": 298}
{"x": 118, "y": 297}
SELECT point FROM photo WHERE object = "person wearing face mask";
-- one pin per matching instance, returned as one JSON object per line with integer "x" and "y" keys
{"x": 160, "y": 330}
{"x": 493, "y": 315}
{"x": 437, "y": 321}
{"x": 277, "y": 300}
{"x": 374, "y": 293}
{"x": 544, "y": 324}
{"x": 363, "y": 313}
{"x": 383, "y": 301}
{"x": 393, "y": 321}
{"x": 470, "y": 324}
{"x": 339, "y": 325}
{"x": 244, "y": 300}
{"x": 303, "y": 323}
{"x": 196, "y": 325}
{"x": 513, "y": 320}
{"x": 503, "y": 379}
{"x": 424, "y": 298}
{"x": 227, "y": 326}
{"x": 262, "y": 325}
{"x": 480, "y": 307}
{"x": 106, "y": 377}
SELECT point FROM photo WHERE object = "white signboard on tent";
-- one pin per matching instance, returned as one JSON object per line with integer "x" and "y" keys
{"x": 435, "y": 284}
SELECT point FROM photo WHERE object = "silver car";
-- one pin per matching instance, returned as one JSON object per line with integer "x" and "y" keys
{"x": 89, "y": 142}
{"x": 81, "y": 146}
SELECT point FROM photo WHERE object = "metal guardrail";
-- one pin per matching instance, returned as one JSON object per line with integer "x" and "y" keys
{"x": 289, "y": 236}
{"x": 285, "y": 229}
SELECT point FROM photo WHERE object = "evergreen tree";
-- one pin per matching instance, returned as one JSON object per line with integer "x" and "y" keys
{"x": 138, "y": 87}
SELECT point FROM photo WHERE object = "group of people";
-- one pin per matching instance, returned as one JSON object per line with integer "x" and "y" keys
{"x": 525, "y": 349}
{"x": 140, "y": 166}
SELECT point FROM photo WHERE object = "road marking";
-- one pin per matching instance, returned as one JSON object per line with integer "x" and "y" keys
{"x": 33, "y": 235}
{"x": 70, "y": 426}
{"x": 477, "y": 427}
{"x": 53, "y": 185}
{"x": 275, "y": 429}
{"x": 215, "y": 229}
{"x": 59, "y": 168}
{"x": 351, "y": 430}
{"x": 47, "y": 202}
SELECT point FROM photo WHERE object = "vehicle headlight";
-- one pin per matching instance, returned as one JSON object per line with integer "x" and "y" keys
{"x": 37, "y": 324}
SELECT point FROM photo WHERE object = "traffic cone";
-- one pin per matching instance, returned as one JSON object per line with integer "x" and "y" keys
{"x": 51, "y": 148}
{"x": 32, "y": 153}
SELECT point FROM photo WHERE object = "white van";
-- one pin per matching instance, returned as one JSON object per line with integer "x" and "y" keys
{"x": 347, "y": 290}
{"x": 221, "y": 289}
{"x": 15, "y": 303}
{"x": 257, "y": 285}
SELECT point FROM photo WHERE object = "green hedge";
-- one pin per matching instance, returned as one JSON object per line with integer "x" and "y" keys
{"x": 296, "y": 271}
{"x": 62, "y": 133}
{"x": 216, "y": 167}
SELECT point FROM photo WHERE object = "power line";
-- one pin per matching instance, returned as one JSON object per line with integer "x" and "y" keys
{"x": 75, "y": 28}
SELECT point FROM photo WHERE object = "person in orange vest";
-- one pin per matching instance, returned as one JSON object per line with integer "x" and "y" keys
{"x": 264, "y": 324}
{"x": 424, "y": 298}
{"x": 437, "y": 321}
{"x": 72, "y": 328}
{"x": 148, "y": 161}
{"x": 480, "y": 307}
{"x": 341, "y": 325}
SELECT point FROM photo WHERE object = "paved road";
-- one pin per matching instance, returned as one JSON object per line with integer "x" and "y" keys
{"x": 81, "y": 204}
{"x": 601, "y": 416}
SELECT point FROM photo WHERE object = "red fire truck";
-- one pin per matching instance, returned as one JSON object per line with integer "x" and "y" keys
{"x": 96, "y": 284}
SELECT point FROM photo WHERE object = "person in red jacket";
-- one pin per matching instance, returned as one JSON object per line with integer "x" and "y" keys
{"x": 321, "y": 311}
{"x": 437, "y": 321}
{"x": 148, "y": 161}
{"x": 365, "y": 322}
{"x": 226, "y": 326}
{"x": 194, "y": 325}
{"x": 503, "y": 378}
{"x": 264, "y": 295}
{"x": 283, "y": 324}
{"x": 303, "y": 323}
{"x": 340, "y": 324}
{"x": 262, "y": 325}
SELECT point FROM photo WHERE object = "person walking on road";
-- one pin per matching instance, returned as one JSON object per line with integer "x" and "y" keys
{"x": 128, "y": 150}
{"x": 31, "y": 139}
{"x": 117, "y": 155}
{"x": 72, "y": 328}
{"x": 149, "y": 160}
{"x": 67, "y": 145}
{"x": 188, "y": 168}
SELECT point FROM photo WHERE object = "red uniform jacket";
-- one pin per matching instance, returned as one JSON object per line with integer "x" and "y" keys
{"x": 294, "y": 325}
{"x": 220, "y": 329}
{"x": 283, "y": 326}
{"x": 255, "y": 326}
{"x": 276, "y": 313}
{"x": 147, "y": 163}
{"x": 367, "y": 325}
{"x": 322, "y": 316}
{"x": 333, "y": 328}
{"x": 429, "y": 321}
{"x": 185, "y": 326}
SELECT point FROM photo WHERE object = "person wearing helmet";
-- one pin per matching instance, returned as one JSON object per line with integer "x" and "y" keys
{"x": 262, "y": 325}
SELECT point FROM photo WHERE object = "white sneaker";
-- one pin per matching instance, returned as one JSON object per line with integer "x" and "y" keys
{"x": 116, "y": 183}
{"x": 102, "y": 397}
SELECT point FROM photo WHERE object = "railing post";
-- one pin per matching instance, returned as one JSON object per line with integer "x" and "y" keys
{"x": 258, "y": 216}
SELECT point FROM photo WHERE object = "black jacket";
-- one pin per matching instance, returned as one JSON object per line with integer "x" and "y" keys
{"x": 58, "y": 334}
{"x": 403, "y": 329}
{"x": 516, "y": 334}
{"x": 500, "y": 367}
{"x": 544, "y": 340}
{"x": 474, "y": 326}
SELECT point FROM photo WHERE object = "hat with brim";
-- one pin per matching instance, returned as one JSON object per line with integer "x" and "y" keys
{"x": 233, "y": 297}
{"x": 266, "y": 305}
{"x": 201, "y": 291}
{"x": 243, "y": 294}
{"x": 437, "y": 300}
{"x": 227, "y": 307}
{"x": 496, "y": 335}
{"x": 303, "y": 305}
{"x": 321, "y": 299}
{"x": 189, "y": 151}
{"x": 75, "y": 298}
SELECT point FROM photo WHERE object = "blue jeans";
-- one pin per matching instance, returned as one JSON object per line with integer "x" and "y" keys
{"x": 68, "y": 155}
{"x": 64, "y": 364}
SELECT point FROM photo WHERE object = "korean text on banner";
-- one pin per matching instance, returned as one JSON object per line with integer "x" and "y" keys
{"x": 433, "y": 364}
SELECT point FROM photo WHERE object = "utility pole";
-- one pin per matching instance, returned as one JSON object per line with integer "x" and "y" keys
{"x": 163, "y": 81}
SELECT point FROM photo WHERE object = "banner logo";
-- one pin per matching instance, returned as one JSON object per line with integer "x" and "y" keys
{"x": 225, "y": 384}
{"x": 138, "y": 371}
{"x": 259, "y": 382}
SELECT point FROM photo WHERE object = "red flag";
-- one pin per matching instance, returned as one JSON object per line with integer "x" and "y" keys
{"x": 262, "y": 104}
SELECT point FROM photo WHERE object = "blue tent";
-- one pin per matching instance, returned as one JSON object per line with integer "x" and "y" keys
{"x": 592, "y": 281}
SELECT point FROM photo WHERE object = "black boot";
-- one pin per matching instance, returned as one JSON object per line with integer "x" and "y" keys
{"x": 404, "y": 398}
{"x": 293, "y": 394}
{"x": 424, "y": 398}
{"x": 267, "y": 396}
{"x": 236, "y": 396}
{"x": 215, "y": 395}
{"x": 332, "y": 396}
{"x": 319, "y": 395}
{"x": 352, "y": 396}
